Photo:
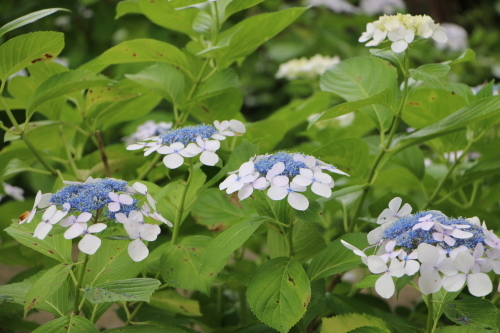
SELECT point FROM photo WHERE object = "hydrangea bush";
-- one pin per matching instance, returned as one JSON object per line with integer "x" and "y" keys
{"x": 222, "y": 224}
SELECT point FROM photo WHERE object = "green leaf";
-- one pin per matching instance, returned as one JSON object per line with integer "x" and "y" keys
{"x": 426, "y": 106}
{"x": 467, "y": 55}
{"x": 22, "y": 51}
{"x": 253, "y": 32}
{"x": 382, "y": 98}
{"x": 336, "y": 258}
{"x": 367, "y": 282}
{"x": 127, "y": 7}
{"x": 138, "y": 50}
{"x": 225, "y": 105}
{"x": 216, "y": 84}
{"x": 68, "y": 324}
{"x": 218, "y": 211}
{"x": 368, "y": 329}
{"x": 45, "y": 286}
{"x": 397, "y": 59}
{"x": 14, "y": 166}
{"x": 163, "y": 79}
{"x": 53, "y": 246}
{"x": 468, "y": 115}
{"x": 360, "y": 78}
{"x": 150, "y": 329}
{"x": 171, "y": 301}
{"x": 181, "y": 263}
{"x": 411, "y": 158}
{"x": 344, "y": 191}
{"x": 27, "y": 19}
{"x": 348, "y": 154}
{"x": 164, "y": 13}
{"x": 462, "y": 329}
{"x": 236, "y": 6}
{"x": 105, "y": 94}
{"x": 279, "y": 292}
{"x": 311, "y": 214}
{"x": 474, "y": 312}
{"x": 220, "y": 248}
{"x": 425, "y": 71}
{"x": 347, "y": 322}
{"x": 307, "y": 241}
{"x": 129, "y": 290}
{"x": 440, "y": 299}
{"x": 63, "y": 84}
{"x": 482, "y": 169}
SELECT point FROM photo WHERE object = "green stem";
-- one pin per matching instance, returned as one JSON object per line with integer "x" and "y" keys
{"x": 38, "y": 156}
{"x": 290, "y": 239}
{"x": 430, "y": 314}
{"x": 76, "y": 305}
{"x": 457, "y": 161}
{"x": 7, "y": 109}
{"x": 198, "y": 80}
{"x": 180, "y": 211}
{"x": 150, "y": 167}
{"x": 385, "y": 145}
{"x": 104, "y": 157}
{"x": 68, "y": 153}
{"x": 243, "y": 307}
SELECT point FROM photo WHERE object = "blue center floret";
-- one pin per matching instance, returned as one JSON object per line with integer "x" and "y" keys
{"x": 187, "y": 134}
{"x": 93, "y": 196}
{"x": 292, "y": 168}
{"x": 401, "y": 231}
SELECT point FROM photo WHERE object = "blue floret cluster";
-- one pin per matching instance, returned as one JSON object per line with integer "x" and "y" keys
{"x": 292, "y": 168}
{"x": 401, "y": 231}
{"x": 90, "y": 197}
{"x": 187, "y": 134}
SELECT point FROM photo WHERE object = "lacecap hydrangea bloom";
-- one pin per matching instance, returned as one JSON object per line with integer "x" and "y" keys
{"x": 149, "y": 129}
{"x": 447, "y": 252}
{"x": 285, "y": 174}
{"x": 190, "y": 141}
{"x": 304, "y": 68}
{"x": 86, "y": 208}
{"x": 401, "y": 29}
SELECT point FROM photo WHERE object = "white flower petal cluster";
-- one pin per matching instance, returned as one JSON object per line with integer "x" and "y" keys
{"x": 337, "y": 6}
{"x": 190, "y": 141}
{"x": 86, "y": 208}
{"x": 14, "y": 192}
{"x": 304, "y": 68}
{"x": 372, "y": 7}
{"x": 447, "y": 253}
{"x": 149, "y": 129}
{"x": 401, "y": 30}
{"x": 287, "y": 175}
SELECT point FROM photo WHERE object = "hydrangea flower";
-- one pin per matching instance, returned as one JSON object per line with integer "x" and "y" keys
{"x": 304, "y": 68}
{"x": 190, "y": 141}
{"x": 87, "y": 208}
{"x": 14, "y": 192}
{"x": 401, "y": 29}
{"x": 148, "y": 129}
{"x": 446, "y": 252}
{"x": 286, "y": 174}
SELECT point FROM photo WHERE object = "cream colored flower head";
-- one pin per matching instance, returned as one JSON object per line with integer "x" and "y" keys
{"x": 401, "y": 29}
{"x": 304, "y": 68}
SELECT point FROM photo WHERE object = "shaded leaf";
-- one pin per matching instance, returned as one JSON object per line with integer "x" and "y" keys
{"x": 129, "y": 290}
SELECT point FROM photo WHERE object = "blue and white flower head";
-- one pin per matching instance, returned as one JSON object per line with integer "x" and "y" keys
{"x": 85, "y": 208}
{"x": 401, "y": 29}
{"x": 190, "y": 141}
{"x": 149, "y": 129}
{"x": 286, "y": 175}
{"x": 447, "y": 252}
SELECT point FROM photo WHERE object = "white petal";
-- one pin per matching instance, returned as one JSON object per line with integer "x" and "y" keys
{"x": 429, "y": 282}
{"x": 228, "y": 181}
{"x": 453, "y": 283}
{"x": 151, "y": 150}
{"x": 137, "y": 250}
{"x": 125, "y": 199}
{"x": 306, "y": 173}
{"x": 280, "y": 181}
{"x": 411, "y": 267}
{"x": 212, "y": 145}
{"x": 246, "y": 169}
{"x": 439, "y": 35}
{"x": 245, "y": 192}
{"x": 277, "y": 192}
{"x": 58, "y": 216}
{"x": 457, "y": 233}
{"x": 260, "y": 183}
{"x": 121, "y": 218}
{"x": 150, "y": 232}
{"x": 113, "y": 206}
{"x": 353, "y": 248}
{"x": 396, "y": 268}
{"x": 463, "y": 262}
{"x": 385, "y": 286}
{"x": 297, "y": 187}
{"x": 374, "y": 235}
{"x": 165, "y": 150}
{"x": 173, "y": 161}
{"x": 376, "y": 265}
{"x": 98, "y": 227}
{"x": 75, "y": 230}
{"x": 177, "y": 146}
{"x": 49, "y": 213}
{"x": 237, "y": 126}
{"x": 302, "y": 180}
{"x": 209, "y": 158}
{"x": 479, "y": 284}
{"x": 193, "y": 149}
{"x": 84, "y": 217}
{"x": 428, "y": 254}
{"x": 133, "y": 229}
{"x": 89, "y": 244}
{"x": 405, "y": 210}
{"x": 236, "y": 186}
{"x": 141, "y": 188}
{"x": 323, "y": 178}
{"x": 135, "y": 146}
{"x": 68, "y": 221}
{"x": 298, "y": 201}
{"x": 113, "y": 196}
{"x": 321, "y": 189}
{"x": 399, "y": 46}
{"x": 44, "y": 200}
{"x": 409, "y": 36}
{"x": 394, "y": 204}
{"x": 42, "y": 229}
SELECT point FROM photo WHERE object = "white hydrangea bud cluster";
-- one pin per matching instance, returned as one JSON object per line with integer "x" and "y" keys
{"x": 401, "y": 29}
{"x": 304, "y": 68}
